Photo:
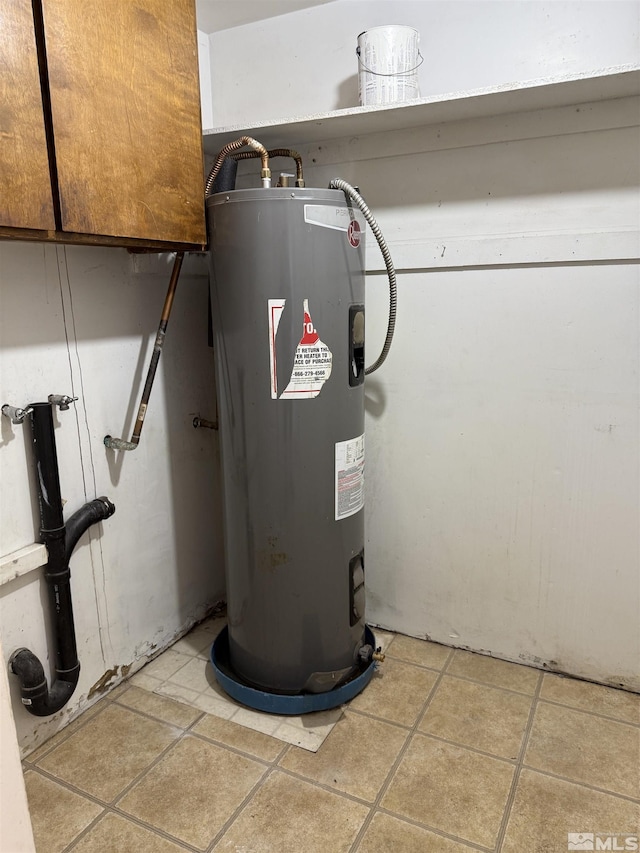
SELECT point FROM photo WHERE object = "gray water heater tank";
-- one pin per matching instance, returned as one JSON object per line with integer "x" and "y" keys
{"x": 287, "y": 278}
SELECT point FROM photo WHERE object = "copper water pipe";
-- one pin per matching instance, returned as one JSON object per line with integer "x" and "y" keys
{"x": 262, "y": 152}
{"x": 277, "y": 152}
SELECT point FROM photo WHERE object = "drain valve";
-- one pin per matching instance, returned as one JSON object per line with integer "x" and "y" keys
{"x": 367, "y": 654}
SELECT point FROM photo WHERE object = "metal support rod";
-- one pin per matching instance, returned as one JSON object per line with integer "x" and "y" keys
{"x": 121, "y": 443}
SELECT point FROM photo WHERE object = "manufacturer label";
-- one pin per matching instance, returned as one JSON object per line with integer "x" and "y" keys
{"x": 337, "y": 218}
{"x": 349, "y": 477}
{"x": 326, "y": 216}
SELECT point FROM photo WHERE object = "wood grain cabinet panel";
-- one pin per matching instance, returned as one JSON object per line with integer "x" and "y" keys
{"x": 100, "y": 130}
{"x": 124, "y": 88}
{"x": 25, "y": 185}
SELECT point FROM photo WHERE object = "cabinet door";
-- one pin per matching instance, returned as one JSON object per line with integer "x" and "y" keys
{"x": 25, "y": 183}
{"x": 125, "y": 102}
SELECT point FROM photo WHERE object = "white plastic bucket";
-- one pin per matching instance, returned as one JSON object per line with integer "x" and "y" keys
{"x": 388, "y": 62}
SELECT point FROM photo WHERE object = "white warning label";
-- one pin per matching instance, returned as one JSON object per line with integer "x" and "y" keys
{"x": 311, "y": 364}
{"x": 276, "y": 307}
{"x": 349, "y": 477}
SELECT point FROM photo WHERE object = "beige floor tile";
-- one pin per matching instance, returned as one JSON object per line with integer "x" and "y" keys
{"x": 165, "y": 709}
{"x": 195, "y": 684}
{"x": 477, "y": 715}
{"x": 585, "y": 748}
{"x": 212, "y": 704}
{"x": 288, "y": 815}
{"x": 193, "y": 790}
{"x": 146, "y": 682}
{"x": 356, "y": 757}
{"x": 231, "y": 734}
{"x": 166, "y": 664}
{"x": 386, "y": 834}
{"x": 193, "y": 675}
{"x": 420, "y": 652}
{"x": 115, "y": 834}
{"x": 308, "y": 739}
{"x": 451, "y": 789}
{"x": 57, "y": 815}
{"x": 104, "y": 756}
{"x": 396, "y": 692}
{"x": 546, "y": 809}
{"x": 592, "y": 697}
{"x": 121, "y": 688}
{"x": 499, "y": 673}
{"x": 257, "y": 720}
{"x": 64, "y": 733}
{"x": 308, "y": 731}
{"x": 318, "y": 720}
{"x": 195, "y": 643}
{"x": 176, "y": 692}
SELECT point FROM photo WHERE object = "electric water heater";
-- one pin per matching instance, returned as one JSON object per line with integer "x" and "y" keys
{"x": 287, "y": 278}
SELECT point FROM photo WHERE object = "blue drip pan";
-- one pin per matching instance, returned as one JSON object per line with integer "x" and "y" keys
{"x": 278, "y": 703}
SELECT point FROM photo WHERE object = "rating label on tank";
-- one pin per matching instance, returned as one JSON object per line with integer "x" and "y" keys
{"x": 349, "y": 477}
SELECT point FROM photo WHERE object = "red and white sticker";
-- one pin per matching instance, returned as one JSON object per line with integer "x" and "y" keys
{"x": 312, "y": 360}
{"x": 311, "y": 363}
{"x": 349, "y": 480}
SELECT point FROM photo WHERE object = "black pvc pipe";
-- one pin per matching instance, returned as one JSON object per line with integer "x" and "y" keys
{"x": 60, "y": 541}
{"x": 83, "y": 518}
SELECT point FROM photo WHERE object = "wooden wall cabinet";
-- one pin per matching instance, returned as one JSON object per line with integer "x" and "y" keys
{"x": 100, "y": 131}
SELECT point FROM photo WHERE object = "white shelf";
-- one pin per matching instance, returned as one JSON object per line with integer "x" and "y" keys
{"x": 606, "y": 84}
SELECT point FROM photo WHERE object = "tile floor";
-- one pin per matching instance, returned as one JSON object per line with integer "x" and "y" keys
{"x": 183, "y": 673}
{"x": 445, "y": 752}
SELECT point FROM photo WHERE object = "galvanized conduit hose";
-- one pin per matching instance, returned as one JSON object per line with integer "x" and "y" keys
{"x": 265, "y": 174}
{"x": 351, "y": 192}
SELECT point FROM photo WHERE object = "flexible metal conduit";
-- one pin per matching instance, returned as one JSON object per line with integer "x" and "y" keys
{"x": 265, "y": 174}
{"x": 276, "y": 152}
{"x": 60, "y": 540}
{"x": 351, "y": 192}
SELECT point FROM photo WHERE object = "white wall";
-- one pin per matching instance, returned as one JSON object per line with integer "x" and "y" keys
{"x": 502, "y": 434}
{"x": 204, "y": 71}
{"x": 82, "y": 321}
{"x": 305, "y": 62}
{"x": 16, "y": 834}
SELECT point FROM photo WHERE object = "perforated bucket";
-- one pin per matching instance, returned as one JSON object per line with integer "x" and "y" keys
{"x": 388, "y": 62}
